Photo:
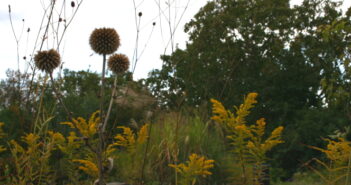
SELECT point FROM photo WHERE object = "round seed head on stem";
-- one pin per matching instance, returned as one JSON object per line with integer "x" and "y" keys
{"x": 47, "y": 60}
{"x": 118, "y": 63}
{"x": 104, "y": 41}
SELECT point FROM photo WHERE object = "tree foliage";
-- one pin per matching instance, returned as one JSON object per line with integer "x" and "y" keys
{"x": 265, "y": 46}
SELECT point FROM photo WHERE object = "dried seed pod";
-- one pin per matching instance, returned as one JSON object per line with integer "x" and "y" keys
{"x": 118, "y": 63}
{"x": 104, "y": 40}
{"x": 73, "y": 4}
{"x": 47, "y": 60}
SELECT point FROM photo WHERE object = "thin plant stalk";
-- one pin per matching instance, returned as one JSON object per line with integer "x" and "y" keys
{"x": 102, "y": 90}
{"x": 176, "y": 145}
{"x": 145, "y": 153}
{"x": 59, "y": 98}
{"x": 40, "y": 105}
{"x": 100, "y": 129}
{"x": 44, "y": 36}
{"x": 113, "y": 97}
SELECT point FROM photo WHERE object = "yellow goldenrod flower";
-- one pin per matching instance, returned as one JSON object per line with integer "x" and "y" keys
{"x": 196, "y": 166}
{"x": 70, "y": 124}
{"x": 143, "y": 134}
{"x": 128, "y": 139}
{"x": 244, "y": 109}
{"x": 338, "y": 151}
{"x": 220, "y": 113}
{"x": 88, "y": 167}
{"x": 72, "y": 143}
{"x": 16, "y": 147}
{"x": 56, "y": 137}
{"x": 251, "y": 145}
{"x": 248, "y": 142}
{"x": 277, "y": 132}
{"x": 2, "y": 134}
{"x": 30, "y": 139}
{"x": 87, "y": 129}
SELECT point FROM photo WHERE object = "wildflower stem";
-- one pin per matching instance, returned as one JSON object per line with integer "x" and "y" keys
{"x": 58, "y": 95}
{"x": 100, "y": 127}
{"x": 39, "y": 106}
{"x": 145, "y": 153}
{"x": 102, "y": 91}
{"x": 113, "y": 95}
{"x": 41, "y": 46}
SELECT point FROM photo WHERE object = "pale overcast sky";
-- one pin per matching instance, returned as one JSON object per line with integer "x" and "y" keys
{"x": 119, "y": 14}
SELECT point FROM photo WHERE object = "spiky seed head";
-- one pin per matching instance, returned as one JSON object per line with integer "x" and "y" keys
{"x": 118, "y": 63}
{"x": 47, "y": 60}
{"x": 104, "y": 40}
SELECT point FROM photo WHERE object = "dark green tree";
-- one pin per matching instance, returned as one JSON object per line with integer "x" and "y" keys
{"x": 264, "y": 46}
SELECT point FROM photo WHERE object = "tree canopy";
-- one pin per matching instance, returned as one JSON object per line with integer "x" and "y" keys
{"x": 282, "y": 52}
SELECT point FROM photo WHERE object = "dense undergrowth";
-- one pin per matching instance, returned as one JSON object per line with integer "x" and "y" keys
{"x": 184, "y": 147}
{"x": 227, "y": 150}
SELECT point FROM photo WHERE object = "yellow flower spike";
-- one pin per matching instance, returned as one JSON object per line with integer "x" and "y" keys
{"x": 2, "y": 134}
{"x": 337, "y": 150}
{"x": 56, "y": 137}
{"x": 71, "y": 143}
{"x": 143, "y": 134}
{"x": 277, "y": 132}
{"x": 244, "y": 109}
{"x": 243, "y": 129}
{"x": 88, "y": 167}
{"x": 82, "y": 126}
{"x": 126, "y": 139}
{"x": 72, "y": 138}
{"x": 70, "y": 124}
{"x": 87, "y": 129}
{"x": 30, "y": 139}
{"x": 94, "y": 120}
{"x": 17, "y": 148}
{"x": 220, "y": 113}
{"x": 261, "y": 123}
{"x": 261, "y": 126}
{"x": 249, "y": 144}
{"x": 194, "y": 167}
{"x": 110, "y": 150}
